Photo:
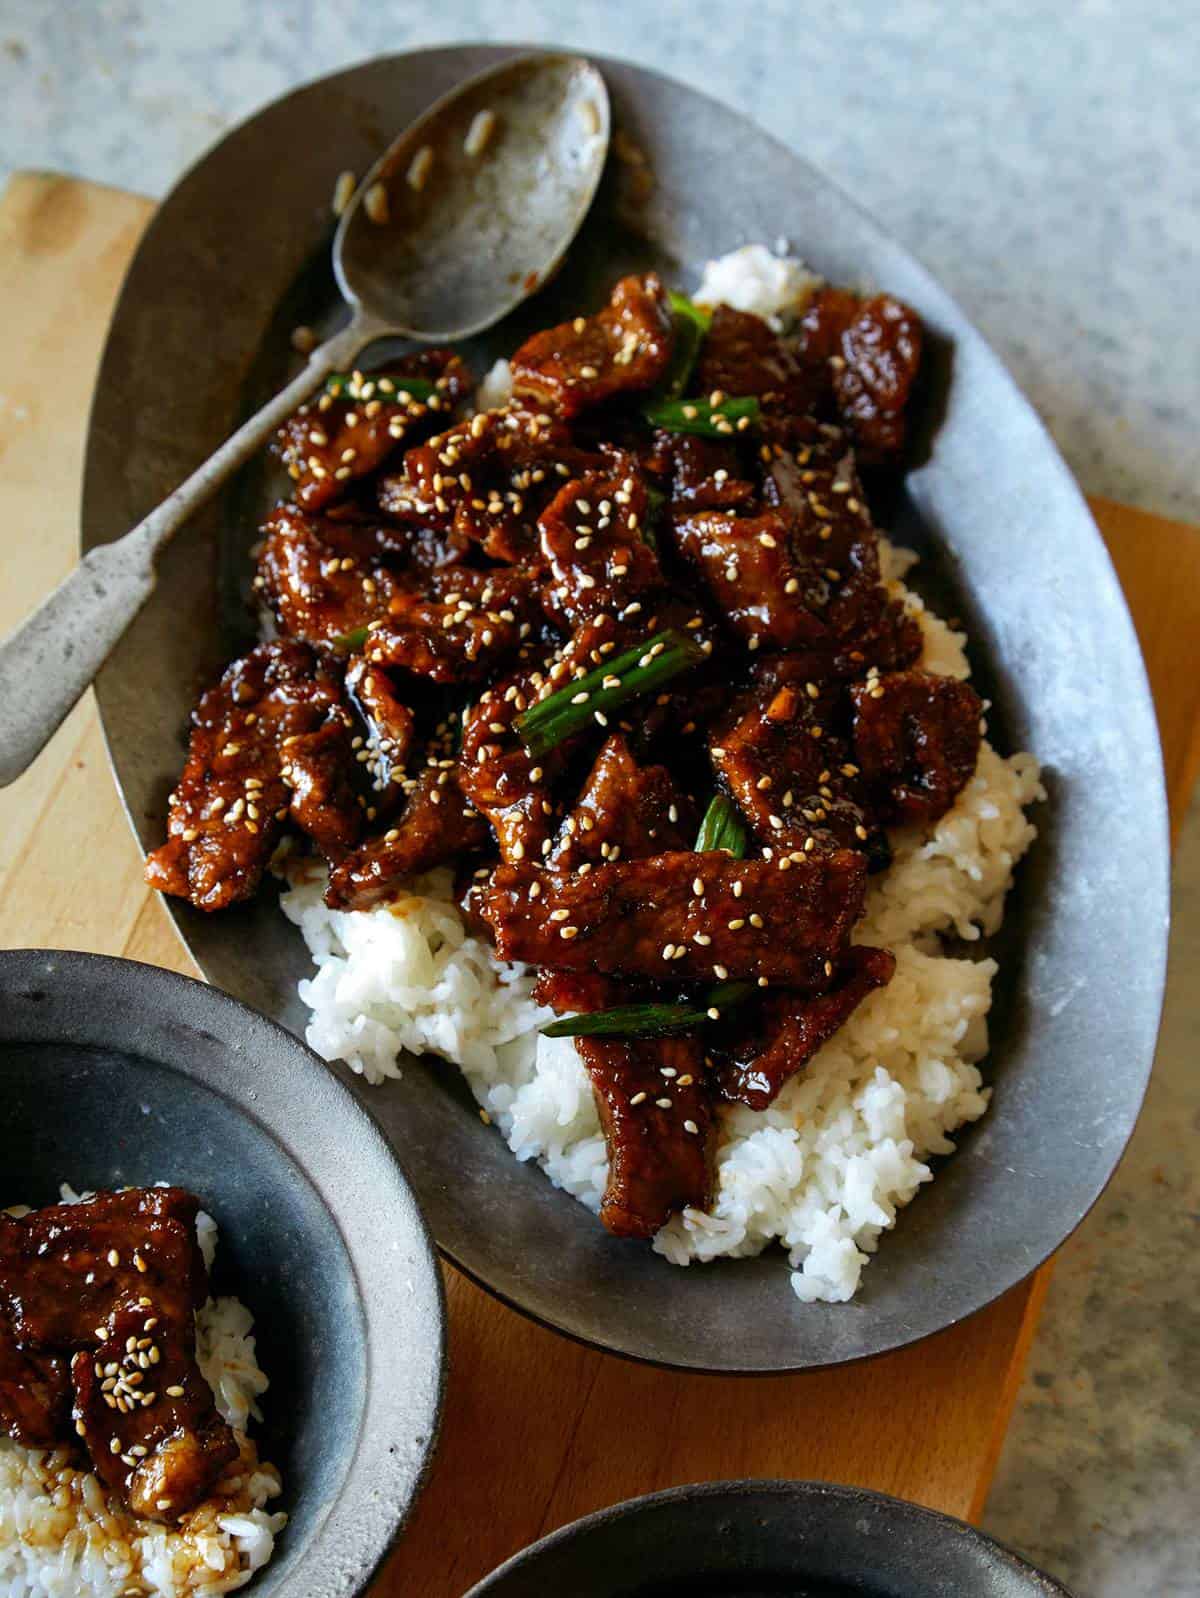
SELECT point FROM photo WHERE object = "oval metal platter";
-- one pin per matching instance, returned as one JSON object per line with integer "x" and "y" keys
{"x": 235, "y": 258}
{"x": 767, "y": 1539}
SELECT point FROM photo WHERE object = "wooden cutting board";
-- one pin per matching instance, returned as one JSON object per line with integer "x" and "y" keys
{"x": 537, "y": 1430}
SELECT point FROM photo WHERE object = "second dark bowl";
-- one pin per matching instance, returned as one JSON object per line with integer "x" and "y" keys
{"x": 768, "y": 1539}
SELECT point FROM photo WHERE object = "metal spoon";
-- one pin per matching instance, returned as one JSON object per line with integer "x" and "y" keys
{"x": 462, "y": 218}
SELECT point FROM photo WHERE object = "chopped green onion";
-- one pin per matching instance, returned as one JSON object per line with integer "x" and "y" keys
{"x": 691, "y": 329}
{"x": 701, "y": 416}
{"x": 655, "y": 500}
{"x": 696, "y": 314}
{"x": 651, "y": 1020}
{"x": 383, "y": 386}
{"x": 637, "y": 671}
{"x": 722, "y": 828}
{"x": 347, "y": 643}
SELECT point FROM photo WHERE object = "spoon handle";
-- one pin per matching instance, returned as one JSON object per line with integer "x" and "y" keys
{"x": 48, "y": 661}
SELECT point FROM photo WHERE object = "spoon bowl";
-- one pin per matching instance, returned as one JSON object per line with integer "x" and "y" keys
{"x": 474, "y": 205}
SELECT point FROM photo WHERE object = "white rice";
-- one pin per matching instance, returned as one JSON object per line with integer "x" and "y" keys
{"x": 61, "y": 1538}
{"x": 496, "y": 388}
{"x": 826, "y": 1168}
{"x": 771, "y": 283}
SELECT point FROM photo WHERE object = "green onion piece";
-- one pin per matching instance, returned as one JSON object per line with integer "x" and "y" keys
{"x": 682, "y": 306}
{"x": 347, "y": 643}
{"x": 691, "y": 329}
{"x": 637, "y": 671}
{"x": 655, "y": 500}
{"x": 722, "y": 828}
{"x": 651, "y": 1020}
{"x": 387, "y": 386}
{"x": 700, "y": 416}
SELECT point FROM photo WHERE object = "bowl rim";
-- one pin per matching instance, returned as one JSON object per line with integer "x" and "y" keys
{"x": 838, "y": 1504}
{"x": 290, "y": 1103}
{"x": 1138, "y": 698}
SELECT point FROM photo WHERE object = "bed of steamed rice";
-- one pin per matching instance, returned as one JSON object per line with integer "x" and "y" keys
{"x": 846, "y": 1144}
{"x": 61, "y": 1538}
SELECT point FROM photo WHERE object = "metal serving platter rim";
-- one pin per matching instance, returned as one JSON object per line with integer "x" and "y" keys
{"x": 649, "y": 99}
{"x": 855, "y": 1519}
{"x": 195, "y": 1030}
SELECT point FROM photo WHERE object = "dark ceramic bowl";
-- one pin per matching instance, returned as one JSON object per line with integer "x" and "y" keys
{"x": 236, "y": 257}
{"x": 117, "y": 1073}
{"x": 768, "y": 1539}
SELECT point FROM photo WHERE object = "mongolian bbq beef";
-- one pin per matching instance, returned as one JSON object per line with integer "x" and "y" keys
{"x": 619, "y": 651}
{"x": 98, "y": 1345}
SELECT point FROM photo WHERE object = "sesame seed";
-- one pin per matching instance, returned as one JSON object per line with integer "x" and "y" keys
{"x": 375, "y": 204}
{"x": 690, "y": 1126}
{"x": 343, "y": 191}
{"x": 420, "y": 167}
{"x": 483, "y": 124}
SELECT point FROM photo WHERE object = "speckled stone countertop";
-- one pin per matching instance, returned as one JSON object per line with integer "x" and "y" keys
{"x": 1041, "y": 159}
